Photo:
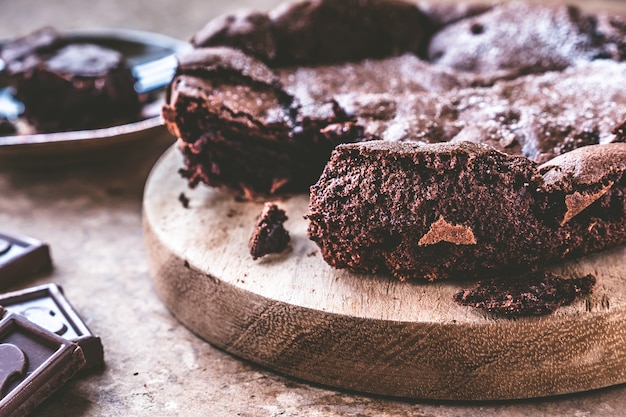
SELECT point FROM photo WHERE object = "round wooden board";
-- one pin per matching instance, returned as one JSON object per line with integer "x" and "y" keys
{"x": 294, "y": 314}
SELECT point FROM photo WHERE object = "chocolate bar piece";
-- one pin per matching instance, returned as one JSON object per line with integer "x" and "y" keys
{"x": 47, "y": 306}
{"x": 33, "y": 364}
{"x": 21, "y": 256}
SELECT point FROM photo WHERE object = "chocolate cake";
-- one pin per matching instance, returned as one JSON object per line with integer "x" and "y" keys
{"x": 69, "y": 86}
{"x": 269, "y": 235}
{"x": 534, "y": 294}
{"x": 264, "y": 98}
{"x": 457, "y": 137}
{"x": 464, "y": 209}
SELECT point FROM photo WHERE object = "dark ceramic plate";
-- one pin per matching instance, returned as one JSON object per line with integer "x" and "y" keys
{"x": 142, "y": 51}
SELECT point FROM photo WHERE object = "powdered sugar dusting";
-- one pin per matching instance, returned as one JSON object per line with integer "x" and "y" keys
{"x": 516, "y": 37}
{"x": 539, "y": 116}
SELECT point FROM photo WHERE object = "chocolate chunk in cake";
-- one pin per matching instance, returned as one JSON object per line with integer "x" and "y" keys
{"x": 431, "y": 211}
{"x": 263, "y": 126}
{"x": 70, "y": 86}
{"x": 269, "y": 234}
{"x": 534, "y": 294}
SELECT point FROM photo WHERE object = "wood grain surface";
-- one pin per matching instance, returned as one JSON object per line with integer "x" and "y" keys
{"x": 296, "y": 315}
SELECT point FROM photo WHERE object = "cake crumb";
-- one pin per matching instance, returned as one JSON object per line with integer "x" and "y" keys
{"x": 534, "y": 294}
{"x": 269, "y": 235}
{"x": 184, "y": 200}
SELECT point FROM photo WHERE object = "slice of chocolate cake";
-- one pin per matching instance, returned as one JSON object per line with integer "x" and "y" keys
{"x": 69, "y": 86}
{"x": 260, "y": 114}
{"x": 431, "y": 211}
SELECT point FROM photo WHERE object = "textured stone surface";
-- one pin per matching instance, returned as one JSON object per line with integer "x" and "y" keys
{"x": 91, "y": 217}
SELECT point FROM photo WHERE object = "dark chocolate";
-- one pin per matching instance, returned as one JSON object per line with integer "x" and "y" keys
{"x": 534, "y": 294}
{"x": 20, "y": 257}
{"x": 47, "y": 306}
{"x": 34, "y": 363}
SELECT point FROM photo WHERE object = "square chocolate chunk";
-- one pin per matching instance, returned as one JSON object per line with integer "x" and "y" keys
{"x": 34, "y": 363}
{"x": 21, "y": 256}
{"x": 47, "y": 306}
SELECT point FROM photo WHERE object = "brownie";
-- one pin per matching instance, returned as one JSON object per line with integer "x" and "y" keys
{"x": 534, "y": 294}
{"x": 269, "y": 235}
{"x": 259, "y": 115}
{"x": 432, "y": 211}
{"x": 70, "y": 86}
{"x": 257, "y": 141}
